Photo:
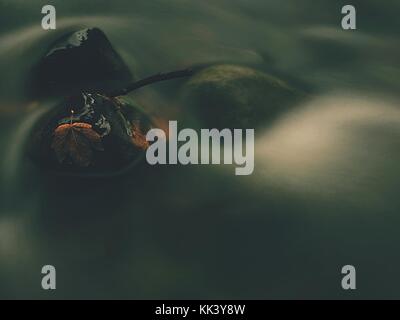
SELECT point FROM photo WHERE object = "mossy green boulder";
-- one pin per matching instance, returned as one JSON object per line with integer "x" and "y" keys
{"x": 231, "y": 96}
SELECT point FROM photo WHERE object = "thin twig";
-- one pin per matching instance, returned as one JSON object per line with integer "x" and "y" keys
{"x": 152, "y": 79}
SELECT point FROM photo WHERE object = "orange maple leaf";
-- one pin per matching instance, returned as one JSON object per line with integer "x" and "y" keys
{"x": 138, "y": 137}
{"x": 76, "y": 142}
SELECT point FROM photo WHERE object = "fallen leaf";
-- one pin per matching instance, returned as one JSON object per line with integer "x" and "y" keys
{"x": 75, "y": 142}
{"x": 138, "y": 137}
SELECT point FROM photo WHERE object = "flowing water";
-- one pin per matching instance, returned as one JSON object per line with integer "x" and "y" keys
{"x": 323, "y": 193}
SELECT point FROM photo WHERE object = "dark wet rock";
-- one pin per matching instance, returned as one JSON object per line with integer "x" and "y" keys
{"x": 80, "y": 61}
{"x": 115, "y": 120}
{"x": 230, "y": 96}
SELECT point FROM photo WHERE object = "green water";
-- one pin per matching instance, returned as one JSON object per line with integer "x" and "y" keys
{"x": 323, "y": 193}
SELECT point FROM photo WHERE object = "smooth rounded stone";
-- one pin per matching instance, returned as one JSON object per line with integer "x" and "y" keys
{"x": 120, "y": 124}
{"x": 231, "y": 96}
{"x": 83, "y": 60}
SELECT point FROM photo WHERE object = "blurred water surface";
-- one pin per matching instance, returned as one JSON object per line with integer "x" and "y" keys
{"x": 324, "y": 190}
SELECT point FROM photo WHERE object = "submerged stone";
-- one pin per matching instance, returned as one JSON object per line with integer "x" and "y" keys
{"x": 230, "y": 96}
{"x": 120, "y": 125}
{"x": 80, "y": 61}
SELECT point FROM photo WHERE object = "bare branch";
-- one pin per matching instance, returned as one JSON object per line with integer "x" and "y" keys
{"x": 152, "y": 79}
